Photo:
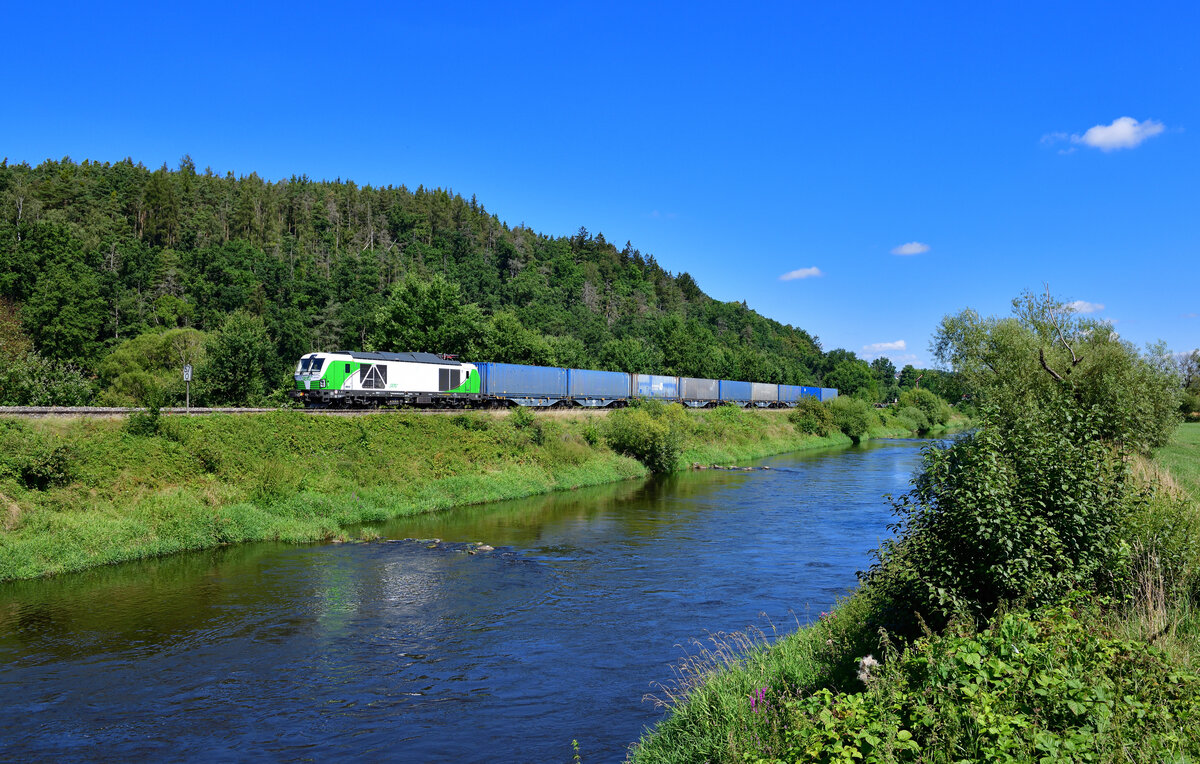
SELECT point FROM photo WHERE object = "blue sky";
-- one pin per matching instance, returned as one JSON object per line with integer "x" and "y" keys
{"x": 738, "y": 142}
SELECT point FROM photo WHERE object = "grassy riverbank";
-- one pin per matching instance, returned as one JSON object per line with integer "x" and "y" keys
{"x": 1147, "y": 649}
{"x": 84, "y": 492}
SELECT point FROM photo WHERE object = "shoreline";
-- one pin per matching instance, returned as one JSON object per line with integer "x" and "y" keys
{"x": 199, "y": 483}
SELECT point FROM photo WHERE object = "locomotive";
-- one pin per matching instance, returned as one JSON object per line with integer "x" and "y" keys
{"x": 355, "y": 379}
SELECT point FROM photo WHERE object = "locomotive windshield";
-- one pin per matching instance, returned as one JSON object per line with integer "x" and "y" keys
{"x": 310, "y": 365}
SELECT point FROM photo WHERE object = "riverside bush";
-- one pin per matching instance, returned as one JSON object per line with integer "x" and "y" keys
{"x": 913, "y": 419}
{"x": 1022, "y": 510}
{"x": 811, "y": 417}
{"x": 1046, "y": 686}
{"x": 853, "y": 416}
{"x": 651, "y": 432}
{"x": 33, "y": 460}
{"x": 936, "y": 410}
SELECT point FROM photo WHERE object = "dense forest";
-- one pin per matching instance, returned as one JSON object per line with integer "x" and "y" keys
{"x": 113, "y": 275}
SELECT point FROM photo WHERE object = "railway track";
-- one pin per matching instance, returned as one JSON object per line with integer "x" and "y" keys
{"x": 112, "y": 412}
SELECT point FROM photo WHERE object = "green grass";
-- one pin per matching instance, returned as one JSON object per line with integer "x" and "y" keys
{"x": 1182, "y": 458}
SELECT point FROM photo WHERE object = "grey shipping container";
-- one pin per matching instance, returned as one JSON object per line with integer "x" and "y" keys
{"x": 588, "y": 384}
{"x": 789, "y": 393}
{"x": 509, "y": 380}
{"x": 692, "y": 389}
{"x": 763, "y": 392}
{"x": 828, "y": 393}
{"x": 735, "y": 391}
{"x": 656, "y": 386}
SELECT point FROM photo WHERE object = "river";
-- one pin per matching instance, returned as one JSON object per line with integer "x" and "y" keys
{"x": 397, "y": 651}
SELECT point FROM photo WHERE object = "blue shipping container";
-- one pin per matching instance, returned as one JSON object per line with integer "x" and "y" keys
{"x": 585, "y": 383}
{"x": 828, "y": 393}
{"x": 656, "y": 386}
{"x": 810, "y": 392}
{"x": 734, "y": 391}
{"x": 789, "y": 393}
{"x": 514, "y": 380}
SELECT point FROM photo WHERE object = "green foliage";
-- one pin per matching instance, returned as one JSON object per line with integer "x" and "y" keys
{"x": 29, "y": 379}
{"x": 1045, "y": 355}
{"x": 33, "y": 461}
{"x": 1044, "y": 687}
{"x": 853, "y": 416}
{"x": 936, "y": 410}
{"x": 812, "y": 417}
{"x": 145, "y": 423}
{"x": 150, "y": 366}
{"x": 429, "y": 315}
{"x": 1021, "y": 511}
{"x": 64, "y": 314}
{"x": 853, "y": 378}
{"x": 239, "y": 360}
{"x": 651, "y": 432}
{"x": 914, "y": 419}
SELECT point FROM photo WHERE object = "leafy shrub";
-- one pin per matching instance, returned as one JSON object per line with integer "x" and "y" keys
{"x": 143, "y": 423}
{"x": 1189, "y": 401}
{"x": 521, "y": 417}
{"x": 651, "y": 432}
{"x": 472, "y": 423}
{"x": 811, "y": 417}
{"x": 852, "y": 416}
{"x": 936, "y": 410}
{"x": 1020, "y": 511}
{"x": 32, "y": 459}
{"x": 913, "y": 419}
{"x": 1040, "y": 687}
{"x": 591, "y": 434}
{"x": 28, "y": 379}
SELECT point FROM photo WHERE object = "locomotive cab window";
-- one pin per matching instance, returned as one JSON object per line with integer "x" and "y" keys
{"x": 317, "y": 363}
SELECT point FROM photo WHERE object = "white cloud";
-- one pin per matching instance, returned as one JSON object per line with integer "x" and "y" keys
{"x": 1083, "y": 306}
{"x": 1123, "y": 133}
{"x": 911, "y": 248}
{"x": 1191, "y": 315}
{"x": 801, "y": 273}
{"x": 882, "y": 347}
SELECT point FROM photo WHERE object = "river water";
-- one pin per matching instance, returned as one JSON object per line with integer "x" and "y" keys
{"x": 397, "y": 651}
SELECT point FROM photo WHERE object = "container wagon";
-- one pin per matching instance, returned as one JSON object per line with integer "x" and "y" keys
{"x": 699, "y": 393}
{"x": 655, "y": 386}
{"x": 524, "y": 385}
{"x": 737, "y": 393}
{"x": 764, "y": 395}
{"x": 597, "y": 388}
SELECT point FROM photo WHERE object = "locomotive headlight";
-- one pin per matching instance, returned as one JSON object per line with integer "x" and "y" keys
{"x": 323, "y": 383}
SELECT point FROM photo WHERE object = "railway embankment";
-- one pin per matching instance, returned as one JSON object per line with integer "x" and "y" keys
{"x": 80, "y": 492}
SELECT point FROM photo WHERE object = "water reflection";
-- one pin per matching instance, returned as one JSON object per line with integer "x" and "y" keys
{"x": 393, "y": 650}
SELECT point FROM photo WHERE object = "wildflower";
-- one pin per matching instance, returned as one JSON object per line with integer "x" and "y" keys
{"x": 758, "y": 700}
{"x": 865, "y": 666}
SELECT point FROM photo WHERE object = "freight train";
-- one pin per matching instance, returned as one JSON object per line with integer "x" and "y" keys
{"x": 352, "y": 379}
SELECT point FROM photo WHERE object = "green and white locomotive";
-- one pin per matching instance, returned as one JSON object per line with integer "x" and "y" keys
{"x": 352, "y": 379}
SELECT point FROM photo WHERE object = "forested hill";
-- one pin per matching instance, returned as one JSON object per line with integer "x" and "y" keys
{"x": 93, "y": 255}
